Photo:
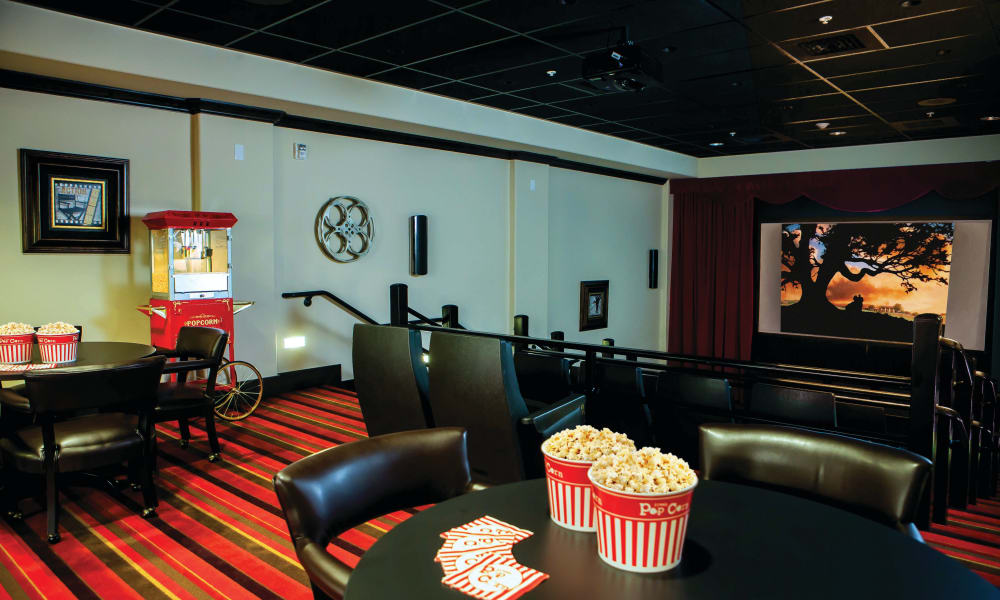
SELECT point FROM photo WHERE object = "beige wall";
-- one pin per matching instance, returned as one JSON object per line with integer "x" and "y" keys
{"x": 94, "y": 290}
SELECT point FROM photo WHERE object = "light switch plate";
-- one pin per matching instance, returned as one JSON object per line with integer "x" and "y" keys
{"x": 239, "y": 151}
{"x": 299, "y": 151}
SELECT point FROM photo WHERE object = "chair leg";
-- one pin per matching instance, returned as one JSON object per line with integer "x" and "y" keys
{"x": 149, "y": 499}
{"x": 185, "y": 432}
{"x": 8, "y": 496}
{"x": 52, "y": 504}
{"x": 213, "y": 439}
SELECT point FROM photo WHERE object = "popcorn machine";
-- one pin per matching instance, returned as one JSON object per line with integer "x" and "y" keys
{"x": 191, "y": 271}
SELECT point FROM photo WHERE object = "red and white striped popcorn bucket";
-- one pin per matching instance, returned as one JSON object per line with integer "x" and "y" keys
{"x": 643, "y": 533}
{"x": 16, "y": 349}
{"x": 58, "y": 347}
{"x": 570, "y": 496}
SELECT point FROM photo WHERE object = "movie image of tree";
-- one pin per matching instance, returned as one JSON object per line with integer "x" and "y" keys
{"x": 863, "y": 280}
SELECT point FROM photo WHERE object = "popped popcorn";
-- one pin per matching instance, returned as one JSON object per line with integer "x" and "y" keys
{"x": 14, "y": 328}
{"x": 586, "y": 443}
{"x": 57, "y": 327}
{"x": 645, "y": 471}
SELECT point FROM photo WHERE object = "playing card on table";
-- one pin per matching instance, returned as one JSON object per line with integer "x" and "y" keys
{"x": 495, "y": 577}
{"x": 488, "y": 526}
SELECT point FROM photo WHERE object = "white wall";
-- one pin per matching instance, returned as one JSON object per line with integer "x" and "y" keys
{"x": 465, "y": 199}
{"x": 896, "y": 154}
{"x": 99, "y": 291}
{"x": 603, "y": 228}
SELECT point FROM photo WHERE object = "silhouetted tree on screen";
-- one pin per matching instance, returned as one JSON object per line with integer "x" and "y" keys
{"x": 913, "y": 252}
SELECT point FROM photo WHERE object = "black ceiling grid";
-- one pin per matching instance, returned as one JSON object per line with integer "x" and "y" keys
{"x": 739, "y": 76}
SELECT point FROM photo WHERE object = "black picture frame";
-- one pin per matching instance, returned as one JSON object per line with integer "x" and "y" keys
{"x": 73, "y": 203}
{"x": 593, "y": 304}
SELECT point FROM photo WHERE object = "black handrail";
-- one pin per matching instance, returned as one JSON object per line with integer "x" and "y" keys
{"x": 857, "y": 377}
{"x": 423, "y": 320}
{"x": 341, "y": 304}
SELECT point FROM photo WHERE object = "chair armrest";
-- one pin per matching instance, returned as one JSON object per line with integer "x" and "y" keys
{"x": 160, "y": 351}
{"x": 565, "y": 413}
{"x": 955, "y": 417}
{"x": 14, "y": 402}
{"x": 182, "y": 366}
{"x": 324, "y": 571}
{"x": 475, "y": 486}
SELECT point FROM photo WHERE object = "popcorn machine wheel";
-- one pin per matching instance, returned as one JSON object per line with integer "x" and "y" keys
{"x": 191, "y": 276}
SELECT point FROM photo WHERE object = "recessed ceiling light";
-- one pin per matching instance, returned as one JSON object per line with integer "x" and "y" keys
{"x": 930, "y": 114}
{"x": 944, "y": 52}
{"x": 551, "y": 72}
{"x": 715, "y": 143}
{"x": 838, "y": 133}
{"x": 990, "y": 118}
{"x": 736, "y": 83}
{"x": 669, "y": 49}
{"x": 732, "y": 134}
{"x": 935, "y": 101}
{"x": 822, "y": 124}
{"x": 825, "y": 20}
{"x": 910, "y": 3}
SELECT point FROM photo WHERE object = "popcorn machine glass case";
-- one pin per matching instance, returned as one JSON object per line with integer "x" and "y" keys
{"x": 191, "y": 263}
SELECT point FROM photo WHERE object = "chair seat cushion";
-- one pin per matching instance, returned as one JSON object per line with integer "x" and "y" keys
{"x": 84, "y": 442}
{"x": 180, "y": 396}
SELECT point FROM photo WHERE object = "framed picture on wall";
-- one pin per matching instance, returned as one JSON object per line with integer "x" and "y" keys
{"x": 73, "y": 203}
{"x": 593, "y": 304}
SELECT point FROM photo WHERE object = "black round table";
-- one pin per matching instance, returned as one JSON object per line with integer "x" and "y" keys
{"x": 742, "y": 542}
{"x": 91, "y": 354}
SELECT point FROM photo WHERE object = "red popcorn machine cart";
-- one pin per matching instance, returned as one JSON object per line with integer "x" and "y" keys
{"x": 191, "y": 272}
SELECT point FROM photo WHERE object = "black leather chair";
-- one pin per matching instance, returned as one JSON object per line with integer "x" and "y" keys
{"x": 543, "y": 379}
{"x": 683, "y": 402}
{"x": 80, "y": 443}
{"x": 331, "y": 491}
{"x": 390, "y": 378}
{"x": 807, "y": 408}
{"x": 875, "y": 481}
{"x": 198, "y": 348}
{"x": 619, "y": 402}
{"x": 861, "y": 419}
{"x": 473, "y": 385}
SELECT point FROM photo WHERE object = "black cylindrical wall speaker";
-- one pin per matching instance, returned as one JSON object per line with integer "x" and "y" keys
{"x": 418, "y": 245}
{"x": 654, "y": 268}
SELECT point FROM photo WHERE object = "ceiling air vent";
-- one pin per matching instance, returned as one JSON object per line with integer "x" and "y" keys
{"x": 831, "y": 45}
{"x": 921, "y": 124}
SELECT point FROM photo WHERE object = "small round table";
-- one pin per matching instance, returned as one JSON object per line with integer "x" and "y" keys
{"x": 742, "y": 542}
{"x": 90, "y": 354}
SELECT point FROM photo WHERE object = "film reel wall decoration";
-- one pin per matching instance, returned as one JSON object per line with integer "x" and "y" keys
{"x": 345, "y": 230}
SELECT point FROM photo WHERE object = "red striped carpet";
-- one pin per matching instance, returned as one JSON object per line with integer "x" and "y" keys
{"x": 219, "y": 532}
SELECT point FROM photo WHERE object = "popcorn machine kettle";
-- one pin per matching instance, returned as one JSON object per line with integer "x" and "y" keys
{"x": 192, "y": 286}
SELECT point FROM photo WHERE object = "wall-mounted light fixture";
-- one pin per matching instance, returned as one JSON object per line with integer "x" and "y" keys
{"x": 295, "y": 341}
{"x": 418, "y": 245}
{"x": 654, "y": 268}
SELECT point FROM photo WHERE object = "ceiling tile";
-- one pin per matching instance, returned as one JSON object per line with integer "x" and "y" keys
{"x": 505, "y": 101}
{"x": 444, "y": 34}
{"x": 528, "y": 15}
{"x": 968, "y": 20}
{"x": 277, "y": 47}
{"x": 542, "y": 111}
{"x": 462, "y": 91}
{"x": 497, "y": 56}
{"x": 192, "y": 28}
{"x": 553, "y": 93}
{"x": 567, "y": 68}
{"x": 338, "y": 24}
{"x": 122, "y": 12}
{"x": 344, "y": 62}
{"x": 241, "y": 12}
{"x": 409, "y": 78}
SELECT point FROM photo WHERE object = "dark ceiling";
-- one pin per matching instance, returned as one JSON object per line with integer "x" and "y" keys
{"x": 734, "y": 72}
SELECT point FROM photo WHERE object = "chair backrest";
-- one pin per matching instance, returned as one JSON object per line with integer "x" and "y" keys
{"x": 207, "y": 343}
{"x": 542, "y": 378}
{"x": 861, "y": 418}
{"x": 619, "y": 402}
{"x": 473, "y": 385}
{"x": 875, "y": 481}
{"x": 683, "y": 402}
{"x": 128, "y": 385}
{"x": 390, "y": 378}
{"x": 790, "y": 405}
{"x": 333, "y": 490}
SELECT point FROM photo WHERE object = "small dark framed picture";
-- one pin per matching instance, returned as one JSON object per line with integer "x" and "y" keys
{"x": 73, "y": 203}
{"x": 593, "y": 304}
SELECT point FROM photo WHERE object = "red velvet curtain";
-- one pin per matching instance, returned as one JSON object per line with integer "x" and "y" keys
{"x": 712, "y": 275}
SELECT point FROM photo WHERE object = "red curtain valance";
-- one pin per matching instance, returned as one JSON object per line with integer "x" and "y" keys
{"x": 854, "y": 190}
